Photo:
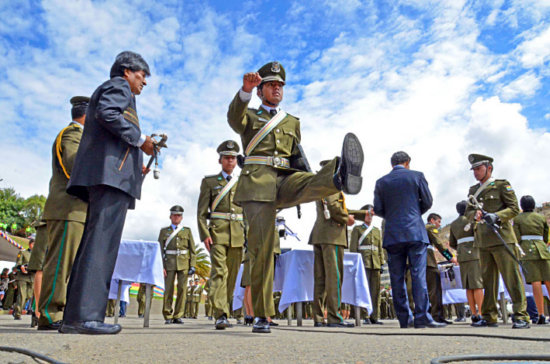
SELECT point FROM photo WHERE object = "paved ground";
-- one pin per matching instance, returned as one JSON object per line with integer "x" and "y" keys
{"x": 197, "y": 342}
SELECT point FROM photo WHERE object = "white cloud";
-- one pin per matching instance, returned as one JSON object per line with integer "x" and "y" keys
{"x": 525, "y": 85}
{"x": 535, "y": 51}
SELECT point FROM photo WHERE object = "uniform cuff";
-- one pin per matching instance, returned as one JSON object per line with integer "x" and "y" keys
{"x": 245, "y": 96}
{"x": 141, "y": 140}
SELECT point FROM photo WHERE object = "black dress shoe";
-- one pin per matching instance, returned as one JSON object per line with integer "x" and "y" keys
{"x": 443, "y": 321}
{"x": 460, "y": 319}
{"x": 140, "y": 316}
{"x": 240, "y": 322}
{"x": 366, "y": 322}
{"x": 210, "y": 318}
{"x": 17, "y": 317}
{"x": 542, "y": 320}
{"x": 261, "y": 325}
{"x": 376, "y": 322}
{"x": 248, "y": 320}
{"x": 475, "y": 318}
{"x": 521, "y": 324}
{"x": 50, "y": 327}
{"x": 273, "y": 323}
{"x": 34, "y": 321}
{"x": 169, "y": 321}
{"x": 222, "y": 323}
{"x": 483, "y": 323}
{"x": 319, "y": 324}
{"x": 177, "y": 321}
{"x": 89, "y": 328}
{"x": 343, "y": 324}
{"x": 431, "y": 325}
{"x": 348, "y": 177}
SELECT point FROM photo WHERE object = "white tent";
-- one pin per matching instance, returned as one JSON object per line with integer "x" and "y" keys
{"x": 8, "y": 248}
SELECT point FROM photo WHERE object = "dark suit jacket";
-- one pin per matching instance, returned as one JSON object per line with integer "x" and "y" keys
{"x": 108, "y": 152}
{"x": 401, "y": 197}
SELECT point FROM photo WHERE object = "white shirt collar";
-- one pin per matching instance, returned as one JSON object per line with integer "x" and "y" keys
{"x": 77, "y": 124}
{"x": 269, "y": 108}
{"x": 225, "y": 175}
{"x": 174, "y": 227}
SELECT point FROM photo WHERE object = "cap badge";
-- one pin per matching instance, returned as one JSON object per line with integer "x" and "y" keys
{"x": 471, "y": 159}
{"x": 275, "y": 67}
{"x": 230, "y": 144}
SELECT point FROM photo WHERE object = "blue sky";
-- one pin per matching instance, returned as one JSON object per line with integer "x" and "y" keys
{"x": 439, "y": 79}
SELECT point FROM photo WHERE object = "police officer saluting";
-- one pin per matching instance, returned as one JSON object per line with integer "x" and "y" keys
{"x": 221, "y": 228}
{"x": 500, "y": 202}
{"x": 275, "y": 175}
{"x": 178, "y": 247}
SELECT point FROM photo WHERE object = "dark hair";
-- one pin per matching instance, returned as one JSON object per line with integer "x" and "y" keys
{"x": 129, "y": 60}
{"x": 433, "y": 215}
{"x": 79, "y": 110}
{"x": 461, "y": 207}
{"x": 399, "y": 158}
{"x": 527, "y": 203}
{"x": 367, "y": 207}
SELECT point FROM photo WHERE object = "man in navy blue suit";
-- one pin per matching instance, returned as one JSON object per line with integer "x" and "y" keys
{"x": 401, "y": 197}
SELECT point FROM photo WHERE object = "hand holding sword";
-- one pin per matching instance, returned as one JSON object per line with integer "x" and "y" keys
{"x": 157, "y": 145}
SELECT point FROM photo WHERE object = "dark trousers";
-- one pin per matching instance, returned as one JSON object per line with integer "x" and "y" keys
{"x": 88, "y": 288}
{"x": 433, "y": 279}
{"x": 398, "y": 254}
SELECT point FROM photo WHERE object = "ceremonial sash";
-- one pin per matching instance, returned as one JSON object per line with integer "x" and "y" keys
{"x": 262, "y": 133}
{"x": 222, "y": 193}
{"x": 174, "y": 233}
{"x": 365, "y": 233}
{"x": 483, "y": 186}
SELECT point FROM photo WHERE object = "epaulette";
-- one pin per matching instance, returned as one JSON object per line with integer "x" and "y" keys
{"x": 211, "y": 175}
{"x": 295, "y": 117}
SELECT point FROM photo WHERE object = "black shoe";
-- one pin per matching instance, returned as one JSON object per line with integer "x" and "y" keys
{"x": 366, "y": 322}
{"x": 248, "y": 320}
{"x": 460, "y": 319}
{"x": 210, "y": 318}
{"x": 341, "y": 324}
{"x": 483, "y": 323}
{"x": 50, "y": 327}
{"x": 348, "y": 176}
{"x": 240, "y": 322}
{"x": 141, "y": 316}
{"x": 89, "y": 328}
{"x": 521, "y": 324}
{"x": 169, "y": 321}
{"x": 17, "y": 317}
{"x": 261, "y": 325}
{"x": 542, "y": 320}
{"x": 177, "y": 321}
{"x": 319, "y": 324}
{"x": 273, "y": 323}
{"x": 431, "y": 325}
{"x": 34, "y": 321}
{"x": 443, "y": 321}
{"x": 222, "y": 323}
{"x": 475, "y": 318}
{"x": 376, "y": 322}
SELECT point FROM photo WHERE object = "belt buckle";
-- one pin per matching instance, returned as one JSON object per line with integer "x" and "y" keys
{"x": 277, "y": 162}
{"x": 233, "y": 217}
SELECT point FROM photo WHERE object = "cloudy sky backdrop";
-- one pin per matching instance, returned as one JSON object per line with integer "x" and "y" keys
{"x": 438, "y": 79}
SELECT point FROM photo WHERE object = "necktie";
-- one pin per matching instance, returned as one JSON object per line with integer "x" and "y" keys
{"x": 273, "y": 112}
{"x": 228, "y": 178}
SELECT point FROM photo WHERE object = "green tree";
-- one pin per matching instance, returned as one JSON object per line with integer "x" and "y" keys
{"x": 203, "y": 262}
{"x": 33, "y": 208}
{"x": 11, "y": 205}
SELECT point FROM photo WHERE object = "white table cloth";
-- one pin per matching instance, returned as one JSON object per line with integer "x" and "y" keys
{"x": 139, "y": 261}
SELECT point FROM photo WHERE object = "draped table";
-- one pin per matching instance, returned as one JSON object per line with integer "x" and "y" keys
{"x": 139, "y": 261}
{"x": 294, "y": 279}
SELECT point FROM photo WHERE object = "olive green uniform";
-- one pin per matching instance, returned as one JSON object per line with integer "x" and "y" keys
{"x": 141, "y": 298}
{"x": 262, "y": 189}
{"x": 188, "y": 300}
{"x": 498, "y": 197}
{"x": 329, "y": 239}
{"x": 24, "y": 282}
{"x": 461, "y": 238}
{"x": 225, "y": 225}
{"x": 433, "y": 278}
{"x": 65, "y": 216}
{"x": 207, "y": 301}
{"x": 179, "y": 255}
{"x": 10, "y": 294}
{"x": 196, "y": 299}
{"x": 370, "y": 249}
{"x": 39, "y": 248}
{"x": 531, "y": 230}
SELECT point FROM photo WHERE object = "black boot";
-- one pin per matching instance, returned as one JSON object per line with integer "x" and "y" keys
{"x": 348, "y": 174}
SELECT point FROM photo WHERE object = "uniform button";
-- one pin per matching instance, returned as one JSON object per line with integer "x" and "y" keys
{"x": 278, "y": 141}
{"x": 247, "y": 172}
{"x": 276, "y": 153}
{"x": 232, "y": 209}
{"x": 277, "y": 130}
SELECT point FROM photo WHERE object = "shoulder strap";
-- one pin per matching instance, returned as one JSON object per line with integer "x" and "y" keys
{"x": 483, "y": 186}
{"x": 174, "y": 233}
{"x": 58, "y": 150}
{"x": 222, "y": 193}
{"x": 365, "y": 233}
{"x": 262, "y": 133}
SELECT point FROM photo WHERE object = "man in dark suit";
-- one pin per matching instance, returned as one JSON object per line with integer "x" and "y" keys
{"x": 107, "y": 174}
{"x": 401, "y": 197}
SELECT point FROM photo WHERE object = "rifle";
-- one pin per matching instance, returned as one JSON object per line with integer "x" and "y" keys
{"x": 495, "y": 228}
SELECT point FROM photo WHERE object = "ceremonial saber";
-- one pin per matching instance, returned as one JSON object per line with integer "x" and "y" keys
{"x": 473, "y": 201}
{"x": 156, "y": 151}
